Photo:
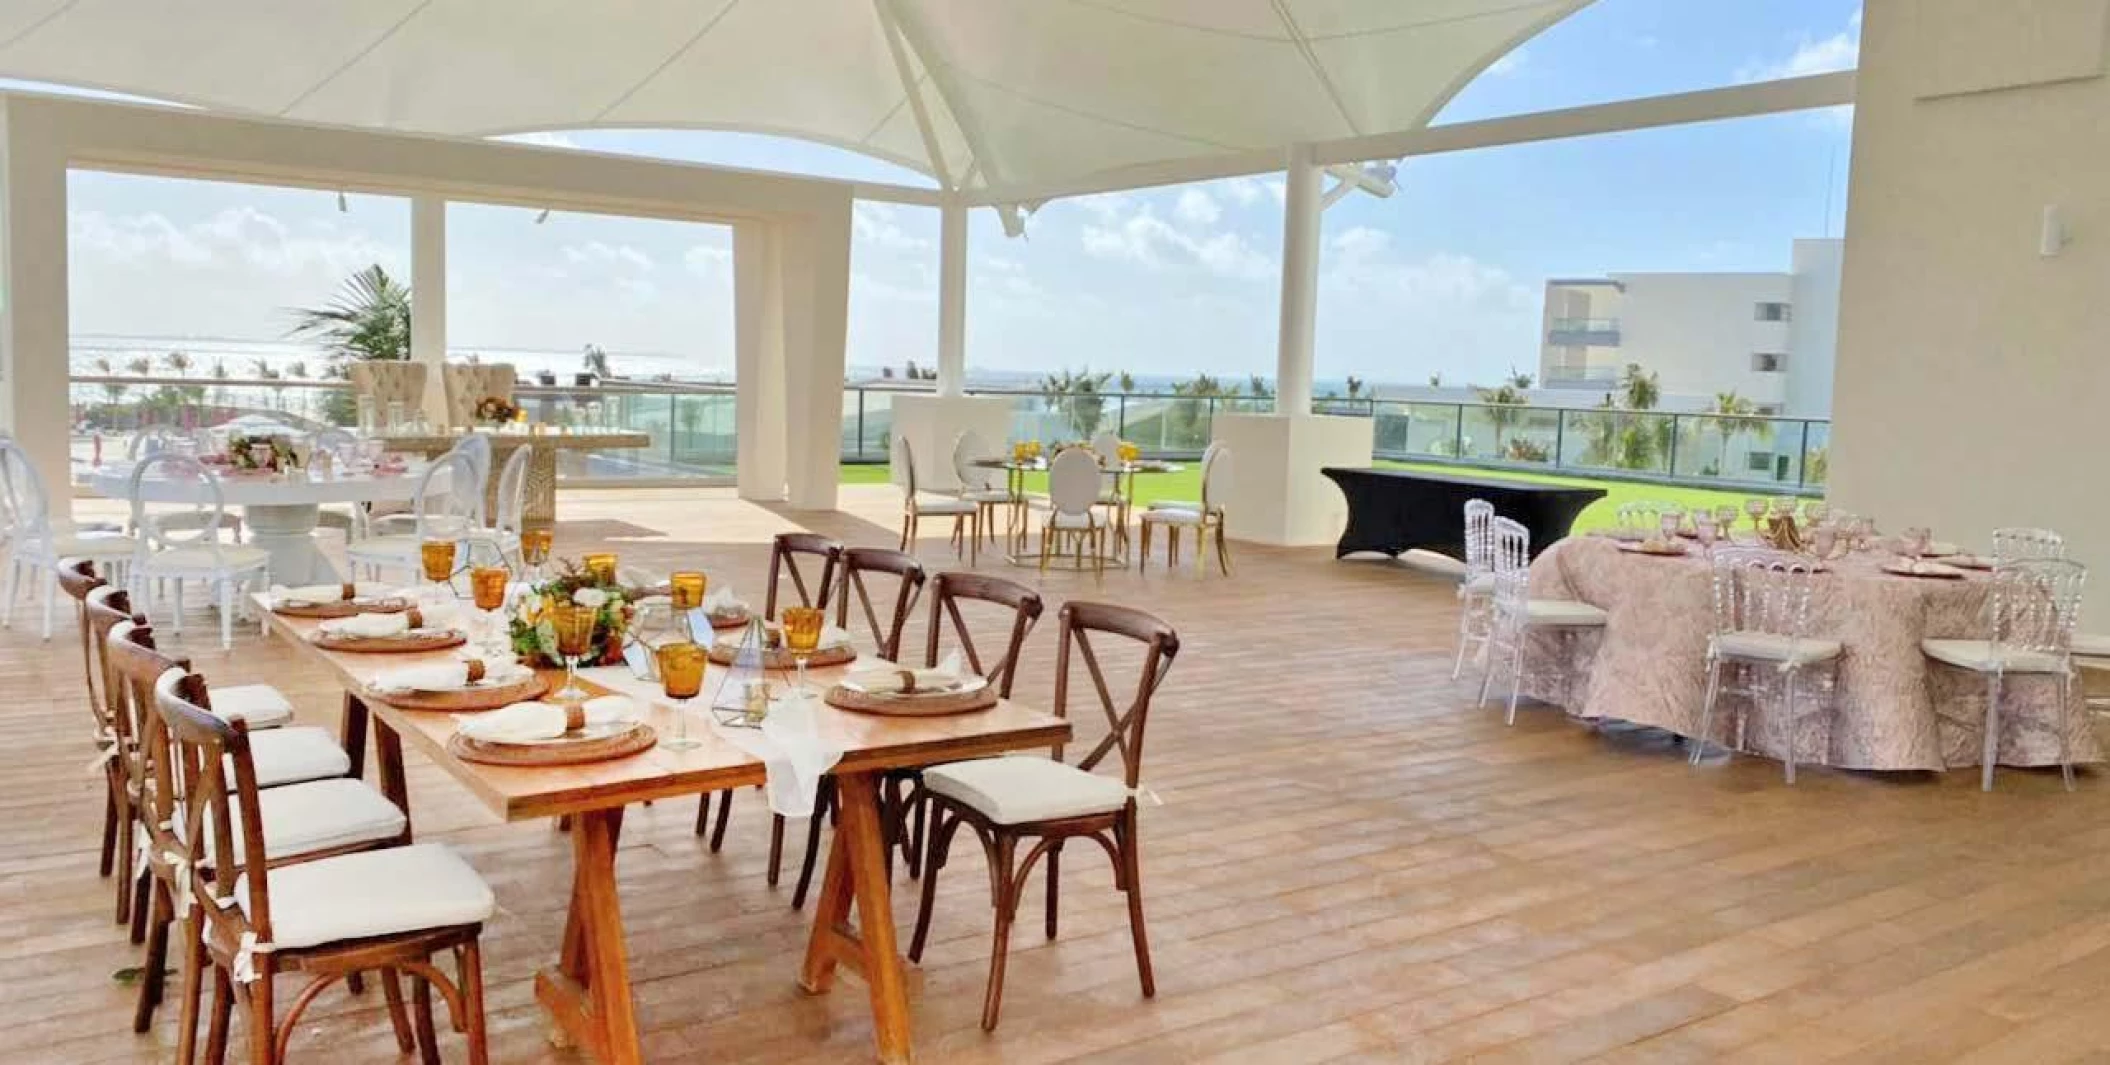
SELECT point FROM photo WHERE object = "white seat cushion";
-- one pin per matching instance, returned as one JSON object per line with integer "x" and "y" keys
{"x": 1768, "y": 647}
{"x": 1173, "y": 517}
{"x": 1016, "y": 790}
{"x": 202, "y": 560}
{"x": 1978, "y": 657}
{"x": 1175, "y": 504}
{"x": 388, "y": 548}
{"x": 1562, "y": 613}
{"x": 373, "y": 893}
{"x": 986, "y": 495}
{"x": 1076, "y": 521}
{"x": 293, "y": 755}
{"x": 94, "y": 546}
{"x": 259, "y": 704}
{"x": 321, "y": 814}
{"x": 945, "y": 506}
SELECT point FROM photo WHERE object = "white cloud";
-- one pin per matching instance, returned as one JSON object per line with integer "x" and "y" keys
{"x": 1510, "y": 63}
{"x": 600, "y": 256}
{"x": 1361, "y": 244}
{"x": 1197, "y": 208}
{"x": 706, "y": 259}
{"x": 1395, "y": 319}
{"x": 880, "y": 224}
{"x": 1243, "y": 191}
{"x": 234, "y": 238}
{"x": 1840, "y": 51}
{"x": 1150, "y": 241}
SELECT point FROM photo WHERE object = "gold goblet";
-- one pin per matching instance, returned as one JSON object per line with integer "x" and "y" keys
{"x": 686, "y": 588}
{"x": 574, "y": 625}
{"x": 802, "y": 636}
{"x": 601, "y": 565}
{"x": 534, "y": 547}
{"x": 437, "y": 559}
{"x": 681, "y": 669}
{"x": 488, "y": 585}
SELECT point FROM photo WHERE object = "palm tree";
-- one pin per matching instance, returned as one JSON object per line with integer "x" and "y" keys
{"x": 369, "y": 319}
{"x": 140, "y": 366}
{"x": 178, "y": 363}
{"x": 297, "y": 369}
{"x": 1734, "y": 416}
{"x": 1504, "y": 408}
{"x": 597, "y": 362}
{"x": 1079, "y": 396}
{"x": 111, "y": 389}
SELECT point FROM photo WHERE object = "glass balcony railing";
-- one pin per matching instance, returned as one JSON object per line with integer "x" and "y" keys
{"x": 693, "y": 428}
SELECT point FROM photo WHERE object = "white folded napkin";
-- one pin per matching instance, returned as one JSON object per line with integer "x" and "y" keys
{"x": 721, "y": 601}
{"x": 324, "y": 593}
{"x": 536, "y": 722}
{"x": 792, "y": 751}
{"x": 370, "y": 625}
{"x": 884, "y": 676}
{"x": 444, "y": 676}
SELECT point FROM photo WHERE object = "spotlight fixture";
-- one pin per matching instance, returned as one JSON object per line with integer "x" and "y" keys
{"x": 342, "y": 207}
{"x": 543, "y": 217}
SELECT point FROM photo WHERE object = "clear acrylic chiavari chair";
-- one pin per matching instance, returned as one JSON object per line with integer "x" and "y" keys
{"x": 1517, "y": 615}
{"x": 2017, "y": 543}
{"x": 2034, "y": 605}
{"x": 1476, "y": 590}
{"x": 1762, "y": 645}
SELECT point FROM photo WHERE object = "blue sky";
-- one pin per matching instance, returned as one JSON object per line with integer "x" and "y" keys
{"x": 1444, "y": 277}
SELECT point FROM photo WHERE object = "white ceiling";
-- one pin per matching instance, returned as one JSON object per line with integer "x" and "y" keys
{"x": 1028, "y": 93}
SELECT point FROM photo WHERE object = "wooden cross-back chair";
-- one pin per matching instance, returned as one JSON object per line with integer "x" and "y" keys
{"x": 784, "y": 555}
{"x": 858, "y": 561}
{"x": 112, "y": 735}
{"x": 886, "y": 639}
{"x": 1049, "y": 802}
{"x": 905, "y": 825}
{"x": 329, "y": 914}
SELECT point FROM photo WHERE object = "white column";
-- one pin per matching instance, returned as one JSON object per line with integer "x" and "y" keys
{"x": 33, "y": 322}
{"x": 816, "y": 271}
{"x": 1301, "y": 210}
{"x": 758, "y": 360}
{"x": 428, "y": 306}
{"x": 952, "y": 299}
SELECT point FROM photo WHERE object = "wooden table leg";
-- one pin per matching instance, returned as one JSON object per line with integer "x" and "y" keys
{"x": 857, "y": 871}
{"x": 388, "y": 768}
{"x": 587, "y": 993}
{"x": 351, "y": 727}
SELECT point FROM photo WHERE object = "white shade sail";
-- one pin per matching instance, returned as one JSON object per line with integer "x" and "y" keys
{"x": 978, "y": 94}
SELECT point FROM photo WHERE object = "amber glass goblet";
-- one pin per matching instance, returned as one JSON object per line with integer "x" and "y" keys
{"x": 802, "y": 636}
{"x": 681, "y": 669}
{"x": 574, "y": 625}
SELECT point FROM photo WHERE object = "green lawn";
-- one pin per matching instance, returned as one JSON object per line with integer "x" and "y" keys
{"x": 1186, "y": 484}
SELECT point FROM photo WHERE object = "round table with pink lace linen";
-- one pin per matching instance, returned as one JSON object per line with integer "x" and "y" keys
{"x": 1649, "y": 666}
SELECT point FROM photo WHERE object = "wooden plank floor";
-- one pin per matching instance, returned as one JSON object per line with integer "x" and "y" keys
{"x": 1351, "y": 863}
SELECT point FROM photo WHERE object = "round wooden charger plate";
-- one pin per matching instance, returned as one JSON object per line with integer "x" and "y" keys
{"x": 780, "y": 659}
{"x": 488, "y": 698}
{"x": 343, "y": 608}
{"x": 439, "y": 641}
{"x": 636, "y": 739}
{"x": 937, "y": 705}
{"x": 730, "y": 621}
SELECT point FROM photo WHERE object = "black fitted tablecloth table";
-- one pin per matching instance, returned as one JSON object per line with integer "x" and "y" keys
{"x": 1392, "y": 511}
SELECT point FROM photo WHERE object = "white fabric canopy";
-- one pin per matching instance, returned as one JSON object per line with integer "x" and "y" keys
{"x": 1013, "y": 93}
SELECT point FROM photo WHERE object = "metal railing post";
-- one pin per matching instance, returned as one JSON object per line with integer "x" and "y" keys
{"x": 1560, "y": 437}
{"x": 860, "y": 424}
{"x": 1802, "y": 459}
{"x": 1121, "y": 416}
{"x": 1458, "y": 431}
{"x": 1672, "y": 469}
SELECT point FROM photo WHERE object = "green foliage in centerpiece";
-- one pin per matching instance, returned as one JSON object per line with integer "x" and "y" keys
{"x": 535, "y": 639}
{"x": 242, "y": 453}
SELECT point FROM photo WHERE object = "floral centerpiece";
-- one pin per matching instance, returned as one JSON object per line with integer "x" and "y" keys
{"x": 534, "y": 639}
{"x": 496, "y": 410}
{"x": 272, "y": 454}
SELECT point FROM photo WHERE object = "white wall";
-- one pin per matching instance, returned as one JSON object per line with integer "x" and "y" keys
{"x": 1813, "y": 337}
{"x": 1698, "y": 331}
{"x": 1972, "y": 384}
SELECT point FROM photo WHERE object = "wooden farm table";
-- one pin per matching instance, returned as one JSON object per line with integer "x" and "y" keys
{"x": 587, "y": 991}
{"x": 541, "y": 509}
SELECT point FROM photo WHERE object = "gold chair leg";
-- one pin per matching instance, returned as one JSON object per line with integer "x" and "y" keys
{"x": 1223, "y": 549}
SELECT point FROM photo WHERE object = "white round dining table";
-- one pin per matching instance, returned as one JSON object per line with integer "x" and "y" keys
{"x": 281, "y": 511}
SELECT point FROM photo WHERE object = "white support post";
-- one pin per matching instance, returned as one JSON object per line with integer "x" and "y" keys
{"x": 34, "y": 318}
{"x": 1301, "y": 211}
{"x": 952, "y": 299}
{"x": 816, "y": 272}
{"x": 428, "y": 309}
{"x": 758, "y": 360}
